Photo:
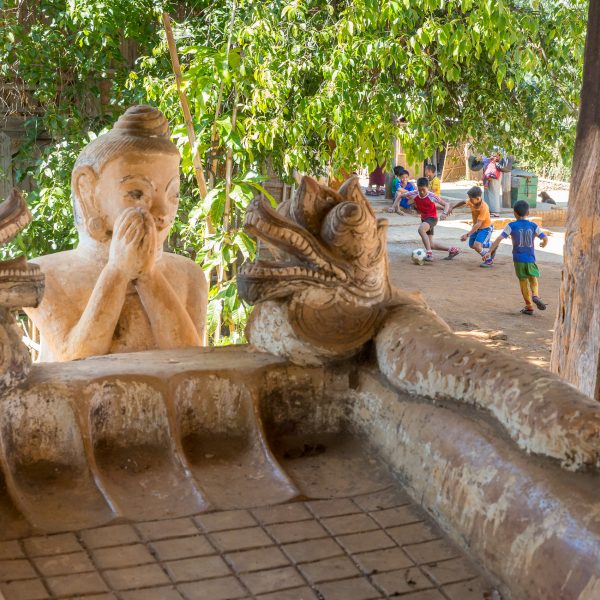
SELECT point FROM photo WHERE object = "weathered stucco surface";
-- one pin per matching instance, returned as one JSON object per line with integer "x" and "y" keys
{"x": 533, "y": 525}
{"x": 169, "y": 433}
{"x": 419, "y": 354}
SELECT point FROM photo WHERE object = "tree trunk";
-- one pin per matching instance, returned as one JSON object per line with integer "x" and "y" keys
{"x": 576, "y": 348}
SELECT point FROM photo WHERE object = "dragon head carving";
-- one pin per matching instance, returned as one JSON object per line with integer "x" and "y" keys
{"x": 320, "y": 281}
{"x": 21, "y": 284}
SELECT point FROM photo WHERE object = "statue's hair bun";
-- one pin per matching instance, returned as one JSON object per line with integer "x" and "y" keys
{"x": 143, "y": 120}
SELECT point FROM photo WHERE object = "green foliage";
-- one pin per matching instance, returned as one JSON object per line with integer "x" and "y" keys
{"x": 303, "y": 84}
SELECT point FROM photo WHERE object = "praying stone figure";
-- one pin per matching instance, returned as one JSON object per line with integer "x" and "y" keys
{"x": 117, "y": 291}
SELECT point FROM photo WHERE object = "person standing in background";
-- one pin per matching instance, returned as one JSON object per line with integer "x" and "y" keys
{"x": 492, "y": 183}
{"x": 377, "y": 180}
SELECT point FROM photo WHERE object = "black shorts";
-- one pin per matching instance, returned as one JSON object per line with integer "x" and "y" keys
{"x": 432, "y": 222}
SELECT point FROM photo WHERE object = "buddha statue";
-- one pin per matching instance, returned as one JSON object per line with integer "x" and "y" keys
{"x": 117, "y": 291}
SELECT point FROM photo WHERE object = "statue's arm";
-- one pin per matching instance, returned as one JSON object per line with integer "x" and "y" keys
{"x": 69, "y": 337}
{"x": 172, "y": 325}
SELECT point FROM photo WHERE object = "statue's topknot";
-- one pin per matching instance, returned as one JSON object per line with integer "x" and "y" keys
{"x": 139, "y": 129}
{"x": 144, "y": 121}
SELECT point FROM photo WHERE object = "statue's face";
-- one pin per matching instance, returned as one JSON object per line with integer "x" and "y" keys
{"x": 146, "y": 180}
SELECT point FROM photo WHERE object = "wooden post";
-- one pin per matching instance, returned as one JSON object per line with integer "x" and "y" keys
{"x": 185, "y": 108}
{"x": 576, "y": 347}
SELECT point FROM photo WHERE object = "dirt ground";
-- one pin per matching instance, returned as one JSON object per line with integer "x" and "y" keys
{"x": 476, "y": 302}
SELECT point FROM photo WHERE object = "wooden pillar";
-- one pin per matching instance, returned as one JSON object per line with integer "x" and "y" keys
{"x": 576, "y": 347}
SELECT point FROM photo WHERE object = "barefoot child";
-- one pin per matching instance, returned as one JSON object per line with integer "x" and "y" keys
{"x": 426, "y": 205}
{"x": 523, "y": 234}
{"x": 482, "y": 228}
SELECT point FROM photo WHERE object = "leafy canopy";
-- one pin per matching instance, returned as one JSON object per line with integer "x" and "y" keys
{"x": 311, "y": 85}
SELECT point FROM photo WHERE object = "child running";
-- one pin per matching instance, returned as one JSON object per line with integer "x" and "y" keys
{"x": 481, "y": 230}
{"x": 523, "y": 234}
{"x": 426, "y": 205}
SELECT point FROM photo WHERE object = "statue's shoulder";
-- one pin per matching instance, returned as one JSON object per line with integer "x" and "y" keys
{"x": 51, "y": 263}
{"x": 181, "y": 263}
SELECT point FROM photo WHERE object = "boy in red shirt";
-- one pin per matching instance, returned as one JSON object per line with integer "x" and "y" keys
{"x": 426, "y": 204}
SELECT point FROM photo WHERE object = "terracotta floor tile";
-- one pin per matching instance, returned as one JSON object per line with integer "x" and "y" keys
{"x": 241, "y": 539}
{"x": 136, "y": 577}
{"x": 303, "y": 593}
{"x": 185, "y": 547}
{"x": 282, "y": 513}
{"x": 475, "y": 589}
{"x": 363, "y": 542}
{"x": 286, "y": 533}
{"x": 19, "y": 568}
{"x": 301, "y": 552}
{"x": 64, "y": 564}
{"x": 425, "y": 595}
{"x": 379, "y": 561}
{"x": 273, "y": 580}
{"x": 171, "y": 528}
{"x": 159, "y": 593}
{"x": 229, "y": 519}
{"x": 28, "y": 589}
{"x": 113, "y": 535}
{"x": 434, "y": 551}
{"x": 76, "y": 584}
{"x": 380, "y": 500}
{"x": 339, "y": 567}
{"x": 349, "y": 524}
{"x": 10, "y": 549}
{"x": 52, "y": 544}
{"x": 122, "y": 556}
{"x": 413, "y": 534}
{"x": 399, "y": 515}
{"x": 201, "y": 567}
{"x": 257, "y": 560}
{"x": 449, "y": 571}
{"x": 224, "y": 588}
{"x": 332, "y": 508}
{"x": 348, "y": 589}
{"x": 403, "y": 581}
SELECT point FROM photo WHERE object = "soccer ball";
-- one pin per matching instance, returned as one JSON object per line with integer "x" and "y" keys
{"x": 418, "y": 256}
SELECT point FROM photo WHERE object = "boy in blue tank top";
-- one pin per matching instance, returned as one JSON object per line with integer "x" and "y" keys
{"x": 523, "y": 234}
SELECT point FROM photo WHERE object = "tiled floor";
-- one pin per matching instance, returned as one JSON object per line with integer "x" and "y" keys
{"x": 367, "y": 547}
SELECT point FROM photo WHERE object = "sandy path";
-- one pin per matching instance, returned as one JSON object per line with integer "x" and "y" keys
{"x": 482, "y": 303}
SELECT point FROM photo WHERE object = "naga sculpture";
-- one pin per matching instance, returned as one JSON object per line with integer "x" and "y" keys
{"x": 118, "y": 291}
{"x": 21, "y": 284}
{"x": 324, "y": 293}
{"x": 322, "y": 286}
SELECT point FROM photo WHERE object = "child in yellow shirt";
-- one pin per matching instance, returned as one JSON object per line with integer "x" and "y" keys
{"x": 434, "y": 181}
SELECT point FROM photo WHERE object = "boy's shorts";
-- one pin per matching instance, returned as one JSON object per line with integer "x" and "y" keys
{"x": 404, "y": 203}
{"x": 526, "y": 270}
{"x": 481, "y": 235}
{"x": 432, "y": 222}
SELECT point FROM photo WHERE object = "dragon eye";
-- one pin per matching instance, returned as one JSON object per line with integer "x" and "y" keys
{"x": 135, "y": 194}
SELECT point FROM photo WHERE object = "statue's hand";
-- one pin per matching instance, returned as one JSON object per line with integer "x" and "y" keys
{"x": 128, "y": 246}
{"x": 148, "y": 245}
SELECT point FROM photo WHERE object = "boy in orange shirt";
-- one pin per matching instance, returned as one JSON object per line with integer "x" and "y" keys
{"x": 481, "y": 231}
